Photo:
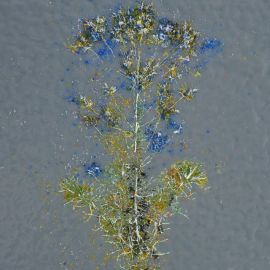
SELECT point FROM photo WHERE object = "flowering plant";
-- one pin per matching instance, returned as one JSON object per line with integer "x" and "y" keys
{"x": 155, "y": 57}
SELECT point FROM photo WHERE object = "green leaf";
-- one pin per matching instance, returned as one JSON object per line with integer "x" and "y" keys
{"x": 79, "y": 195}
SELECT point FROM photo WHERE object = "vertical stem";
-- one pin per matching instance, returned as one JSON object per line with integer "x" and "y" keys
{"x": 137, "y": 126}
{"x": 136, "y": 123}
{"x": 136, "y": 206}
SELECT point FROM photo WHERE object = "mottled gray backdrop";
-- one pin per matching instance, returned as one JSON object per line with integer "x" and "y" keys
{"x": 227, "y": 127}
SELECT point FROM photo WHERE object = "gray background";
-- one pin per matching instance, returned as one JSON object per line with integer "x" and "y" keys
{"x": 228, "y": 227}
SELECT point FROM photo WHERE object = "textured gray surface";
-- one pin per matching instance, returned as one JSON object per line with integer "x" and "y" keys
{"x": 228, "y": 227}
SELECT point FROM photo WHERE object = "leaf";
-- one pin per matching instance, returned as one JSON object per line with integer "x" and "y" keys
{"x": 183, "y": 175}
{"x": 79, "y": 195}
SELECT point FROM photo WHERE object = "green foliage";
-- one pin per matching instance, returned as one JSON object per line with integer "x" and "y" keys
{"x": 166, "y": 100}
{"x": 79, "y": 195}
{"x": 180, "y": 179}
{"x": 186, "y": 92}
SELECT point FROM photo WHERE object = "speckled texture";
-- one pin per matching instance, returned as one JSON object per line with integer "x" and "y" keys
{"x": 227, "y": 128}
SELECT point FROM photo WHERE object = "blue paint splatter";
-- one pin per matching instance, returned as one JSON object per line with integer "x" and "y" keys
{"x": 112, "y": 43}
{"x": 210, "y": 45}
{"x": 150, "y": 104}
{"x": 122, "y": 85}
{"x": 157, "y": 140}
{"x": 105, "y": 50}
{"x": 92, "y": 169}
{"x": 202, "y": 64}
{"x": 96, "y": 36}
{"x": 149, "y": 132}
{"x": 75, "y": 123}
{"x": 178, "y": 128}
{"x": 80, "y": 51}
{"x": 182, "y": 147}
{"x": 72, "y": 97}
{"x": 208, "y": 49}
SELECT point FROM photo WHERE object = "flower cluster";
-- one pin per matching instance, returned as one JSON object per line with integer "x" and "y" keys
{"x": 133, "y": 24}
{"x": 139, "y": 24}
